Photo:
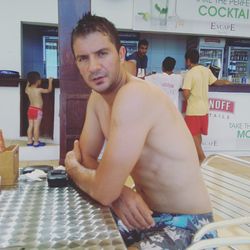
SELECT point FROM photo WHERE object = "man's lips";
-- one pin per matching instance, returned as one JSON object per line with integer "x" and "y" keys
{"x": 98, "y": 80}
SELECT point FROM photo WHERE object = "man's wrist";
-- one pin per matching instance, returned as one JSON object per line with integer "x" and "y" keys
{"x": 72, "y": 168}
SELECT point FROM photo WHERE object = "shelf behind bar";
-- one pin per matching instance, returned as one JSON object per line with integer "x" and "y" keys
{"x": 238, "y": 88}
{"x": 14, "y": 82}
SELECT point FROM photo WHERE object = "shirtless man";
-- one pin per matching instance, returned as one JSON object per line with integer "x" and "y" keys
{"x": 35, "y": 112}
{"x": 146, "y": 137}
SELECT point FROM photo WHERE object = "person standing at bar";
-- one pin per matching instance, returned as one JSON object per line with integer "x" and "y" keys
{"x": 168, "y": 80}
{"x": 140, "y": 58}
{"x": 195, "y": 92}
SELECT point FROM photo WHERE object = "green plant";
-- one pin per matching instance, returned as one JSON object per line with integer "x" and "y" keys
{"x": 145, "y": 15}
{"x": 161, "y": 10}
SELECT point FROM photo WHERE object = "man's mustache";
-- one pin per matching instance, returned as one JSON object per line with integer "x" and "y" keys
{"x": 96, "y": 74}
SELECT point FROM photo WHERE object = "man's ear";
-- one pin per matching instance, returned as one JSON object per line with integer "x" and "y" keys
{"x": 122, "y": 53}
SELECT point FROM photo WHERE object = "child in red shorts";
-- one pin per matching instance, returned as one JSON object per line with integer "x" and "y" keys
{"x": 35, "y": 113}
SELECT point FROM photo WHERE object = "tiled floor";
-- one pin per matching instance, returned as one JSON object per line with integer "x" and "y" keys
{"x": 22, "y": 142}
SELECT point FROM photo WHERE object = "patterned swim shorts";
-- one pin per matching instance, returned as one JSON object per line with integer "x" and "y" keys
{"x": 171, "y": 231}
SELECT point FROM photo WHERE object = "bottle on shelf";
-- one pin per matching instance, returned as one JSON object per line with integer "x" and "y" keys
{"x": 244, "y": 80}
{"x": 2, "y": 144}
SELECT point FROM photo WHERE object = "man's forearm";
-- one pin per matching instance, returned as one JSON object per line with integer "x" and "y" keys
{"x": 89, "y": 182}
{"x": 50, "y": 85}
{"x": 89, "y": 162}
{"x": 83, "y": 177}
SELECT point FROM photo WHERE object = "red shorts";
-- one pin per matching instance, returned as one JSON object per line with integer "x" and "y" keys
{"x": 34, "y": 113}
{"x": 197, "y": 124}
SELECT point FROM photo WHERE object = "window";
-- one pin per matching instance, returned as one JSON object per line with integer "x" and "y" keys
{"x": 50, "y": 56}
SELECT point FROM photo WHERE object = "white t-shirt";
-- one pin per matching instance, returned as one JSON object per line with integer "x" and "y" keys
{"x": 170, "y": 84}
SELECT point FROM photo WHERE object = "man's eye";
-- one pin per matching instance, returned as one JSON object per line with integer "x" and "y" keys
{"x": 102, "y": 53}
{"x": 82, "y": 59}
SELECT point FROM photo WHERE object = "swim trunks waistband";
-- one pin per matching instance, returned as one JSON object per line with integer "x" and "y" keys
{"x": 181, "y": 220}
{"x": 37, "y": 108}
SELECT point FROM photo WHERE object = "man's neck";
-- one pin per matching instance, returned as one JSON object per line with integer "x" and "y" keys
{"x": 121, "y": 81}
{"x": 169, "y": 72}
{"x": 140, "y": 55}
{"x": 193, "y": 65}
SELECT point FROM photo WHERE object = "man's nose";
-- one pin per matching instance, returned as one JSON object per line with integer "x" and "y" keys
{"x": 93, "y": 64}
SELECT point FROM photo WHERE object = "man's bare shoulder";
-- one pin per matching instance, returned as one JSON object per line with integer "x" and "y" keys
{"x": 96, "y": 101}
{"x": 137, "y": 96}
{"x": 134, "y": 89}
{"x": 139, "y": 89}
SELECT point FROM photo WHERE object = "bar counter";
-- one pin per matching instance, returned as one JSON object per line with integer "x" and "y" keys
{"x": 236, "y": 88}
{"x": 35, "y": 216}
{"x": 229, "y": 120}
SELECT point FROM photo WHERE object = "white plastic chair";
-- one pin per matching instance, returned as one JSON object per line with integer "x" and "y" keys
{"x": 198, "y": 244}
{"x": 223, "y": 241}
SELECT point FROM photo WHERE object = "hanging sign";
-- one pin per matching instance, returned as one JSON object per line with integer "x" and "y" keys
{"x": 203, "y": 17}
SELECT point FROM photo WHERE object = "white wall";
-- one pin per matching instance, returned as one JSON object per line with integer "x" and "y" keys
{"x": 12, "y": 14}
{"x": 10, "y": 112}
{"x": 119, "y": 12}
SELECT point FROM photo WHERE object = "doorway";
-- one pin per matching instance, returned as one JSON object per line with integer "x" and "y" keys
{"x": 39, "y": 45}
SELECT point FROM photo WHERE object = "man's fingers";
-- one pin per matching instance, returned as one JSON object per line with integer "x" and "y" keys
{"x": 139, "y": 216}
{"x": 77, "y": 150}
{"x": 146, "y": 214}
{"x": 76, "y": 145}
{"x": 142, "y": 217}
{"x": 126, "y": 223}
{"x": 124, "y": 217}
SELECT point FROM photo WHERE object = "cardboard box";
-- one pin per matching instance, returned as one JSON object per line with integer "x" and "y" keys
{"x": 9, "y": 165}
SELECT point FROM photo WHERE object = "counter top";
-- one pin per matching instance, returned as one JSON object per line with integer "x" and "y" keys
{"x": 14, "y": 82}
{"x": 35, "y": 216}
{"x": 244, "y": 88}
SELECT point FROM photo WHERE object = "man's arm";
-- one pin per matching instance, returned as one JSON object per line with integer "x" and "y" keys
{"x": 221, "y": 82}
{"x": 92, "y": 138}
{"x": 127, "y": 135}
{"x": 186, "y": 93}
{"x": 26, "y": 88}
{"x": 125, "y": 206}
{"x": 129, "y": 206}
{"x": 187, "y": 86}
{"x": 132, "y": 210}
{"x": 49, "y": 89}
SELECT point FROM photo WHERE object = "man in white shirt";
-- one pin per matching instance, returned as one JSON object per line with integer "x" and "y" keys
{"x": 168, "y": 80}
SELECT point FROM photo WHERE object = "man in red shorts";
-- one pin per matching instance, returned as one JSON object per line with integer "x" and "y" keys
{"x": 195, "y": 92}
{"x": 35, "y": 113}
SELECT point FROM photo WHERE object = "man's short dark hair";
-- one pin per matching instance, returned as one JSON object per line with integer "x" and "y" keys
{"x": 192, "y": 55}
{"x": 33, "y": 77}
{"x": 91, "y": 23}
{"x": 143, "y": 42}
{"x": 168, "y": 64}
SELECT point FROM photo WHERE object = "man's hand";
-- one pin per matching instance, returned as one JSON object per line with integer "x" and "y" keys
{"x": 132, "y": 210}
{"x": 73, "y": 157}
